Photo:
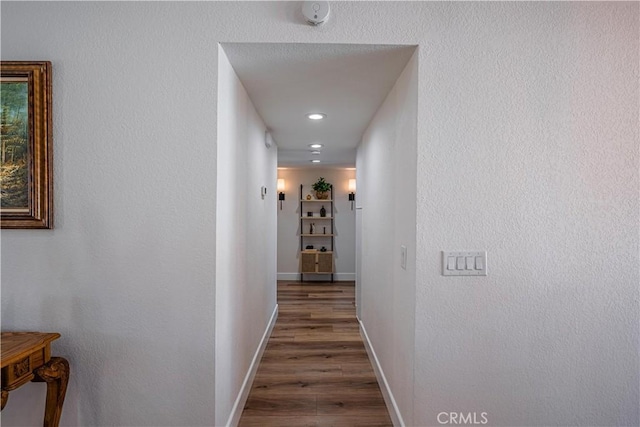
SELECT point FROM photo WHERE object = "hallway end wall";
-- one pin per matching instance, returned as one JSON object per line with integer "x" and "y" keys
{"x": 289, "y": 222}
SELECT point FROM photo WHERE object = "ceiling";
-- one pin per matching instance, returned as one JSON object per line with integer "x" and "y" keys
{"x": 346, "y": 82}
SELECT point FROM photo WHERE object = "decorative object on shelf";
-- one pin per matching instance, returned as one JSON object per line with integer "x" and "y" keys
{"x": 309, "y": 247}
{"x": 323, "y": 212}
{"x": 352, "y": 189}
{"x": 323, "y": 249}
{"x": 281, "y": 187}
{"x": 321, "y": 187}
{"x": 309, "y": 213}
{"x": 26, "y": 167}
{"x": 308, "y": 196}
{"x": 312, "y": 227}
{"x": 324, "y": 230}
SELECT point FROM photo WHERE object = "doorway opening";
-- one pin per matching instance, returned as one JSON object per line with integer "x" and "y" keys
{"x": 344, "y": 84}
{"x": 366, "y": 97}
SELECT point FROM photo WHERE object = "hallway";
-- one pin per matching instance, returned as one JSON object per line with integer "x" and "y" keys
{"x": 315, "y": 370}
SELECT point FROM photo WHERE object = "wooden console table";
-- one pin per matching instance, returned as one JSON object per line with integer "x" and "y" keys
{"x": 26, "y": 356}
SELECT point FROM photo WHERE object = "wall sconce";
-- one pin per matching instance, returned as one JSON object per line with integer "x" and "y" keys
{"x": 352, "y": 189}
{"x": 281, "y": 191}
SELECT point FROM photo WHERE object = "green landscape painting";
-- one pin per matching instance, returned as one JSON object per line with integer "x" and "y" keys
{"x": 14, "y": 190}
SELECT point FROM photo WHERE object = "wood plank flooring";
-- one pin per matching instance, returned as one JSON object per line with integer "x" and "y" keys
{"x": 315, "y": 370}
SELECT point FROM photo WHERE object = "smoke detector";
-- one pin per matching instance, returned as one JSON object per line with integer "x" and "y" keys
{"x": 315, "y": 12}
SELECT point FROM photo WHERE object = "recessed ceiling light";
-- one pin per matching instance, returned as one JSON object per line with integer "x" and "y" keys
{"x": 315, "y": 161}
{"x": 315, "y": 153}
{"x": 316, "y": 116}
{"x": 315, "y": 145}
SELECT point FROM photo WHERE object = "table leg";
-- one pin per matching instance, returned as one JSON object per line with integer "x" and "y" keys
{"x": 56, "y": 375}
{"x": 5, "y": 397}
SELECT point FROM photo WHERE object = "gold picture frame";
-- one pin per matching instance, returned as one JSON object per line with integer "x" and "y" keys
{"x": 26, "y": 149}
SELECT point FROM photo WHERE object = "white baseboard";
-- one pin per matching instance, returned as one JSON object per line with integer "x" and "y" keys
{"x": 238, "y": 405}
{"x": 340, "y": 277}
{"x": 392, "y": 407}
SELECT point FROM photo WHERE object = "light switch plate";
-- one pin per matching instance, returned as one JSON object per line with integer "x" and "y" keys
{"x": 459, "y": 263}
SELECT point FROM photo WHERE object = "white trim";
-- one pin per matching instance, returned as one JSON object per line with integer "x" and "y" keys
{"x": 392, "y": 407}
{"x": 238, "y": 405}
{"x": 345, "y": 277}
{"x": 340, "y": 277}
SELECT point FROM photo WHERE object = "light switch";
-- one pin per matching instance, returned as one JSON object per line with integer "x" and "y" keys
{"x": 403, "y": 257}
{"x": 467, "y": 263}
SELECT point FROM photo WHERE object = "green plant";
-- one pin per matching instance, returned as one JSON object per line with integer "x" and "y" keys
{"x": 321, "y": 185}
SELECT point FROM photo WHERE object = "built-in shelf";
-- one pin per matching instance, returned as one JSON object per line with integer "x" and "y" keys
{"x": 316, "y": 251}
{"x": 316, "y": 217}
{"x": 316, "y": 235}
{"x": 316, "y": 201}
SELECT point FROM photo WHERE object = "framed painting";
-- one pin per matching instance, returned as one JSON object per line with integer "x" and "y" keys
{"x": 26, "y": 164}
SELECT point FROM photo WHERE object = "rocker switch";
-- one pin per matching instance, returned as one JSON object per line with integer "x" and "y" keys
{"x": 465, "y": 263}
{"x": 469, "y": 263}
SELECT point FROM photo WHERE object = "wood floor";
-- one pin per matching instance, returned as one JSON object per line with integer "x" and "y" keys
{"x": 315, "y": 370}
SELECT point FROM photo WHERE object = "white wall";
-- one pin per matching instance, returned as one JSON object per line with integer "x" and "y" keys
{"x": 245, "y": 239}
{"x": 527, "y": 147}
{"x": 386, "y": 166}
{"x": 529, "y": 150}
{"x": 289, "y": 223}
{"x": 128, "y": 274}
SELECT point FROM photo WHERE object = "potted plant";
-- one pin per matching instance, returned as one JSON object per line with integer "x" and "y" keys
{"x": 321, "y": 187}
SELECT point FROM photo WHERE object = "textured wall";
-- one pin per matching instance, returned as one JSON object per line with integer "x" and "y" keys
{"x": 529, "y": 150}
{"x": 127, "y": 275}
{"x": 289, "y": 222}
{"x": 245, "y": 238}
{"x": 527, "y": 147}
{"x": 386, "y": 200}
